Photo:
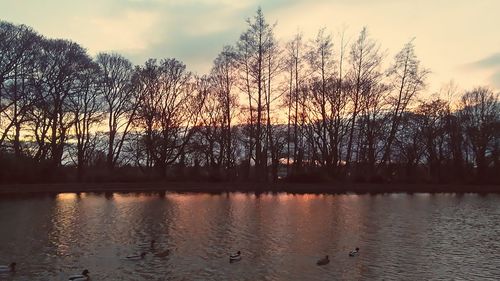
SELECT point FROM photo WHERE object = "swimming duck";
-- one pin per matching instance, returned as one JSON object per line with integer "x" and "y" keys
{"x": 235, "y": 257}
{"x": 136, "y": 257}
{"x": 80, "y": 277}
{"x": 8, "y": 268}
{"x": 163, "y": 254}
{"x": 323, "y": 261}
{"x": 354, "y": 253}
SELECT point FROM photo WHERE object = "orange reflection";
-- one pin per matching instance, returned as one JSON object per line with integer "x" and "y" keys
{"x": 133, "y": 197}
{"x": 71, "y": 196}
{"x": 66, "y": 196}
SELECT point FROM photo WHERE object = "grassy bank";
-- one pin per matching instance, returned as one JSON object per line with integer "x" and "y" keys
{"x": 200, "y": 187}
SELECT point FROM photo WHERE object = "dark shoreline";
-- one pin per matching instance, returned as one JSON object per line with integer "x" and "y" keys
{"x": 224, "y": 187}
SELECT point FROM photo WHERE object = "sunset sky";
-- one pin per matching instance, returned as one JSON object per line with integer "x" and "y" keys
{"x": 456, "y": 39}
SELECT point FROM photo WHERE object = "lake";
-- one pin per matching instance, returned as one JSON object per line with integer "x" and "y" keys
{"x": 281, "y": 236}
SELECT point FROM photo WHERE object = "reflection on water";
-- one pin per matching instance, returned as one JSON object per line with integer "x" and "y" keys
{"x": 281, "y": 236}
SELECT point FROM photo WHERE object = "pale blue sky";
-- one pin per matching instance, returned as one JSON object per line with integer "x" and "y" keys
{"x": 457, "y": 40}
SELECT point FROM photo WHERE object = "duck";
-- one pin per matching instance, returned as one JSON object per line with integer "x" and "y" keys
{"x": 323, "y": 261}
{"x": 163, "y": 254}
{"x": 354, "y": 253}
{"x": 8, "y": 268}
{"x": 235, "y": 257}
{"x": 80, "y": 277}
{"x": 136, "y": 257}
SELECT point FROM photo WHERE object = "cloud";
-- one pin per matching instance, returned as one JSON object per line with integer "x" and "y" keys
{"x": 488, "y": 62}
{"x": 128, "y": 32}
{"x": 491, "y": 64}
{"x": 495, "y": 79}
{"x": 194, "y": 31}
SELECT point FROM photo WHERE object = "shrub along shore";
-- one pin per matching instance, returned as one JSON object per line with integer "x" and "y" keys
{"x": 249, "y": 187}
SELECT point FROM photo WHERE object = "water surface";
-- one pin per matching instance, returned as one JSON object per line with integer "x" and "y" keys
{"x": 281, "y": 236}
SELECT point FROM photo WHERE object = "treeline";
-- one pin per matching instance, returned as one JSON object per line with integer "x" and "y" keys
{"x": 305, "y": 110}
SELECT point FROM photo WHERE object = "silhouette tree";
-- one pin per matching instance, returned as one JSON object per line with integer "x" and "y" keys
{"x": 169, "y": 107}
{"x": 18, "y": 49}
{"x": 256, "y": 48}
{"x": 323, "y": 110}
{"x": 120, "y": 101}
{"x": 365, "y": 58}
{"x": 433, "y": 131}
{"x": 294, "y": 64}
{"x": 223, "y": 79}
{"x": 480, "y": 116}
{"x": 60, "y": 64}
{"x": 87, "y": 109}
{"x": 408, "y": 80}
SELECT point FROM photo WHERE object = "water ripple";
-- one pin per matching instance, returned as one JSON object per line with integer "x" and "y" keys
{"x": 281, "y": 236}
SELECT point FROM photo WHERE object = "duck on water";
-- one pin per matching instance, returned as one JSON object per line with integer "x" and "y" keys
{"x": 354, "y": 253}
{"x": 235, "y": 257}
{"x": 160, "y": 254}
{"x": 80, "y": 277}
{"x": 8, "y": 268}
{"x": 136, "y": 257}
{"x": 323, "y": 261}
{"x": 163, "y": 254}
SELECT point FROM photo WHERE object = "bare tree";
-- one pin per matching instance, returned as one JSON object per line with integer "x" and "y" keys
{"x": 254, "y": 47}
{"x": 294, "y": 100}
{"x": 212, "y": 128}
{"x": 317, "y": 104}
{"x": 409, "y": 145}
{"x": 365, "y": 58}
{"x": 18, "y": 45}
{"x": 120, "y": 100}
{"x": 169, "y": 107}
{"x": 480, "y": 116}
{"x": 408, "y": 80}
{"x": 55, "y": 81}
{"x": 86, "y": 106}
{"x": 223, "y": 78}
{"x": 322, "y": 91}
{"x": 433, "y": 116}
{"x": 372, "y": 120}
